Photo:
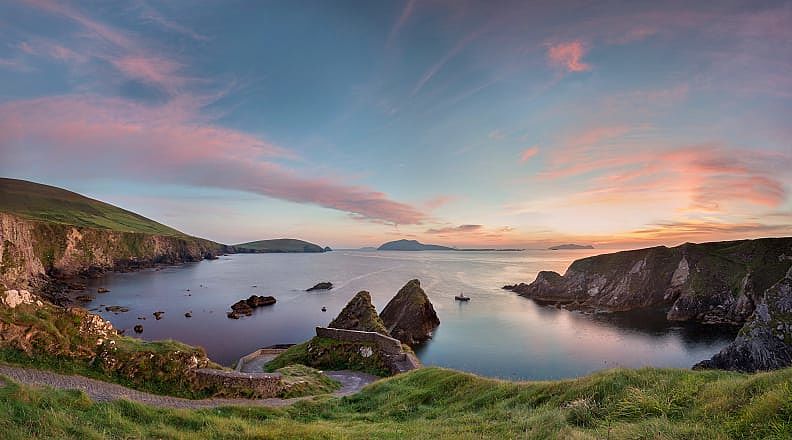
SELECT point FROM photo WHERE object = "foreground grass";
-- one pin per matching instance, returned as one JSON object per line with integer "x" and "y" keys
{"x": 439, "y": 403}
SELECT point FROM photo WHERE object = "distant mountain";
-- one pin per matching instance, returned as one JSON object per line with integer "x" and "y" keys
{"x": 412, "y": 245}
{"x": 570, "y": 246}
{"x": 280, "y": 245}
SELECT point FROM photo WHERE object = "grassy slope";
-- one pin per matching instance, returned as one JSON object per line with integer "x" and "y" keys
{"x": 439, "y": 403}
{"x": 46, "y": 203}
{"x": 281, "y": 245}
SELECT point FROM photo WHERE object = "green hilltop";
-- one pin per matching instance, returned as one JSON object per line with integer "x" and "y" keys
{"x": 35, "y": 201}
{"x": 279, "y": 245}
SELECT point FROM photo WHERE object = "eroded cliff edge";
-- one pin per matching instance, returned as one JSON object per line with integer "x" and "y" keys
{"x": 32, "y": 252}
{"x": 721, "y": 282}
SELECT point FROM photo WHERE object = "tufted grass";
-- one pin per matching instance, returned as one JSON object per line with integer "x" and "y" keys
{"x": 440, "y": 403}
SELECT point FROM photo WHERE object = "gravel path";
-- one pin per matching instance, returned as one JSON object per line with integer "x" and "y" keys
{"x": 351, "y": 382}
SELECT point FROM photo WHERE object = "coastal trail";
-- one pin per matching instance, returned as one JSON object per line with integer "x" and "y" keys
{"x": 99, "y": 391}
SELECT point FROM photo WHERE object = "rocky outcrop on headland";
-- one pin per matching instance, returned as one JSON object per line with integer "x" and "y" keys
{"x": 765, "y": 342}
{"x": 360, "y": 314}
{"x": 410, "y": 316}
{"x": 713, "y": 283}
{"x": 32, "y": 252}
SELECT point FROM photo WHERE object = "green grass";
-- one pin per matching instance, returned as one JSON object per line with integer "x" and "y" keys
{"x": 330, "y": 354}
{"x": 46, "y": 203}
{"x": 300, "y": 380}
{"x": 440, "y": 403}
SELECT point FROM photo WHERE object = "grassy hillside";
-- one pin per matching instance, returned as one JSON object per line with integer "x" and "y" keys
{"x": 439, "y": 403}
{"x": 280, "y": 245}
{"x": 35, "y": 201}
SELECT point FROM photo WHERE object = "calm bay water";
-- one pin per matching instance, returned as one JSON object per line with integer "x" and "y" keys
{"x": 496, "y": 334}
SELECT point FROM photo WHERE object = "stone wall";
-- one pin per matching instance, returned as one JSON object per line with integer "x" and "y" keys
{"x": 262, "y": 385}
{"x": 388, "y": 345}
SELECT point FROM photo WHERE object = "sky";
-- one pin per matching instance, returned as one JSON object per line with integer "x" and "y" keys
{"x": 464, "y": 123}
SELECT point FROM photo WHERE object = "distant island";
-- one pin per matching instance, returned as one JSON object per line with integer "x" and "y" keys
{"x": 570, "y": 246}
{"x": 280, "y": 245}
{"x": 412, "y": 245}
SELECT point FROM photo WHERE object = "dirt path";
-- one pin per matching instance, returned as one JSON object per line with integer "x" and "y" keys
{"x": 351, "y": 382}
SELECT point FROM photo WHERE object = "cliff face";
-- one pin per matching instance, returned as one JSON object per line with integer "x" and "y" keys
{"x": 711, "y": 283}
{"x": 739, "y": 282}
{"x": 31, "y": 251}
{"x": 765, "y": 341}
{"x": 409, "y": 316}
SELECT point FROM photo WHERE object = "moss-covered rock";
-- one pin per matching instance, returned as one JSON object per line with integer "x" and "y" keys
{"x": 360, "y": 314}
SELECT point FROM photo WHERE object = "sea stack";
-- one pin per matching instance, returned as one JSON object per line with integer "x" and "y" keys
{"x": 359, "y": 314}
{"x": 409, "y": 316}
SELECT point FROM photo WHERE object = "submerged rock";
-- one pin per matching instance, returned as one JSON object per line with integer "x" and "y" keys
{"x": 410, "y": 316}
{"x": 116, "y": 309}
{"x": 138, "y": 328}
{"x": 102, "y": 290}
{"x": 158, "y": 315}
{"x": 360, "y": 314}
{"x": 326, "y": 285}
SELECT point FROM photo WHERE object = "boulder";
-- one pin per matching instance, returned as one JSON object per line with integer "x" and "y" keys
{"x": 326, "y": 285}
{"x": 409, "y": 316}
{"x": 138, "y": 328}
{"x": 359, "y": 314}
{"x": 102, "y": 290}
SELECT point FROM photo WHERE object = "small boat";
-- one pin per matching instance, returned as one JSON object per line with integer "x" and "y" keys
{"x": 462, "y": 297}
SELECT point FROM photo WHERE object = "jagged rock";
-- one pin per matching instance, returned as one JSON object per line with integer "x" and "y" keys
{"x": 360, "y": 314}
{"x": 83, "y": 298}
{"x": 138, "y": 328}
{"x": 765, "y": 341}
{"x": 102, "y": 290}
{"x": 409, "y": 316}
{"x": 12, "y": 298}
{"x": 158, "y": 315}
{"x": 711, "y": 282}
{"x": 188, "y": 315}
{"x": 116, "y": 309}
{"x": 321, "y": 286}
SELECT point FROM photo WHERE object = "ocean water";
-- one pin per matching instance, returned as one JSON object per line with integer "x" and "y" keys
{"x": 496, "y": 334}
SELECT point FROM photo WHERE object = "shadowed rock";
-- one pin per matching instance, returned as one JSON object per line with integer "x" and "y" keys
{"x": 326, "y": 285}
{"x": 409, "y": 316}
{"x": 245, "y": 306}
{"x": 360, "y": 314}
{"x": 765, "y": 342}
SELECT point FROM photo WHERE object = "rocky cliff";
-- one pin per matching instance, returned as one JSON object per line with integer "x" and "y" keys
{"x": 32, "y": 251}
{"x": 765, "y": 341}
{"x": 722, "y": 282}
{"x": 409, "y": 316}
{"x": 712, "y": 282}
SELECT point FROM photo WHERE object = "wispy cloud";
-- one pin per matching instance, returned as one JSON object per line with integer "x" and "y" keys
{"x": 568, "y": 56}
{"x": 170, "y": 143}
{"x": 455, "y": 229}
{"x": 528, "y": 153}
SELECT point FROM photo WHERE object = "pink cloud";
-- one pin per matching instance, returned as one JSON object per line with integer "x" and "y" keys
{"x": 170, "y": 143}
{"x": 152, "y": 70}
{"x": 528, "y": 153}
{"x": 568, "y": 56}
{"x": 437, "y": 202}
{"x": 455, "y": 229}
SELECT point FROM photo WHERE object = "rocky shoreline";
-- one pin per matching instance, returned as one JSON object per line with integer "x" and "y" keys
{"x": 737, "y": 282}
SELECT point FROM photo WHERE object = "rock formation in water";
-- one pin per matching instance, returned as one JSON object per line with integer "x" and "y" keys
{"x": 246, "y": 306}
{"x": 712, "y": 283}
{"x": 325, "y": 285}
{"x": 570, "y": 246}
{"x": 765, "y": 341}
{"x": 279, "y": 245}
{"x": 409, "y": 316}
{"x": 360, "y": 314}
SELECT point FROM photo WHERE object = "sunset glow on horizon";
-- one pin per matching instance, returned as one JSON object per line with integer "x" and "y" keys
{"x": 461, "y": 123}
